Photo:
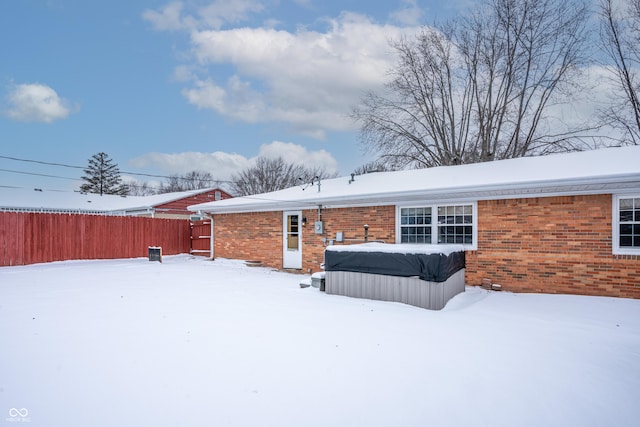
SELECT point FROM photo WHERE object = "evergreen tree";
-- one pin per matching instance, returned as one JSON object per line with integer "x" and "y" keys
{"x": 102, "y": 176}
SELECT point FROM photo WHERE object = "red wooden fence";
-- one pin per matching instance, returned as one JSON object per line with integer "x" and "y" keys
{"x": 28, "y": 238}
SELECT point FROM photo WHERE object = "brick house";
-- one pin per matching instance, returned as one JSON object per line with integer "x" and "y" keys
{"x": 564, "y": 223}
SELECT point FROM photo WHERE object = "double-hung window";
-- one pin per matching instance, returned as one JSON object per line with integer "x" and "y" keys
{"x": 626, "y": 225}
{"x": 438, "y": 224}
{"x": 455, "y": 224}
{"x": 415, "y": 225}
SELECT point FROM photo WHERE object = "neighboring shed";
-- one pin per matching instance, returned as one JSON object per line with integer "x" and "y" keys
{"x": 174, "y": 205}
{"x": 565, "y": 223}
{"x": 167, "y": 205}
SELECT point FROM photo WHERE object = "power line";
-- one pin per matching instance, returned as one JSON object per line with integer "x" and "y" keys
{"x": 40, "y": 162}
{"x": 40, "y": 174}
{"x": 128, "y": 184}
{"x": 212, "y": 180}
{"x": 121, "y": 172}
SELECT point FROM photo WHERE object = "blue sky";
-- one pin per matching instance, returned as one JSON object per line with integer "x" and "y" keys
{"x": 168, "y": 87}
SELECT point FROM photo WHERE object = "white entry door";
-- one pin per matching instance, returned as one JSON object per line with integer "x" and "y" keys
{"x": 292, "y": 240}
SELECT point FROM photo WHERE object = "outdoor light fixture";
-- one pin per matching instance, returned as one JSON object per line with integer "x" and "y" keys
{"x": 304, "y": 221}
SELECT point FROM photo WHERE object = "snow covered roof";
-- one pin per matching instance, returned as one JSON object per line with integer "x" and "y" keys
{"x": 588, "y": 172}
{"x": 20, "y": 199}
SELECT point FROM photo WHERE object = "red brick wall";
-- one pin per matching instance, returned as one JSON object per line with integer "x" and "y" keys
{"x": 258, "y": 236}
{"x": 249, "y": 236}
{"x": 351, "y": 221}
{"x": 551, "y": 245}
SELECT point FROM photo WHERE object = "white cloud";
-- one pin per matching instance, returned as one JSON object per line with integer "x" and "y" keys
{"x": 410, "y": 14}
{"x": 308, "y": 79}
{"x": 206, "y": 94}
{"x": 220, "y": 12}
{"x": 297, "y": 154}
{"x": 35, "y": 103}
{"x": 183, "y": 73}
{"x": 169, "y": 18}
{"x": 175, "y": 16}
{"x": 223, "y": 165}
{"x": 237, "y": 100}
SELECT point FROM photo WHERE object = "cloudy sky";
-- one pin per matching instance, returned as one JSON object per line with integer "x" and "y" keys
{"x": 168, "y": 87}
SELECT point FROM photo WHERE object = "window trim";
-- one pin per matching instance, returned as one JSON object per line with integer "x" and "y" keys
{"x": 434, "y": 222}
{"x": 615, "y": 225}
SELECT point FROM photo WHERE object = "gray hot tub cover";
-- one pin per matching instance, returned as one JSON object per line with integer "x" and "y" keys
{"x": 431, "y": 267}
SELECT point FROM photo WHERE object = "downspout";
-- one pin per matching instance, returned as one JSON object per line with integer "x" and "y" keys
{"x": 211, "y": 239}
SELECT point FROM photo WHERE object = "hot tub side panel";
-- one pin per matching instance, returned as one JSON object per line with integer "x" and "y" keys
{"x": 407, "y": 290}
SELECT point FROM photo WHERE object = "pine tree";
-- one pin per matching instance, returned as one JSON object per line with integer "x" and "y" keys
{"x": 102, "y": 176}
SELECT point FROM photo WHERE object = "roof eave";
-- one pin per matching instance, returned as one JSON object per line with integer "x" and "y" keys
{"x": 581, "y": 186}
{"x": 524, "y": 190}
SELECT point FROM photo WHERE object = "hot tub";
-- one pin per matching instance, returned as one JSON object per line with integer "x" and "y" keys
{"x": 425, "y": 276}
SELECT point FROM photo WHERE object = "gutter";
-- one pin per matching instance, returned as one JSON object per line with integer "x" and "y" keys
{"x": 212, "y": 238}
{"x": 559, "y": 187}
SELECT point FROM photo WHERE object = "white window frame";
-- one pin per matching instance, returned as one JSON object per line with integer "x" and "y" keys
{"x": 615, "y": 223}
{"x": 434, "y": 221}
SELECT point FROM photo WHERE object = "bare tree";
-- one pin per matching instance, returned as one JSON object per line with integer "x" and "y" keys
{"x": 620, "y": 35}
{"x": 374, "y": 166}
{"x": 479, "y": 88}
{"x": 194, "y": 180}
{"x": 140, "y": 189}
{"x": 272, "y": 174}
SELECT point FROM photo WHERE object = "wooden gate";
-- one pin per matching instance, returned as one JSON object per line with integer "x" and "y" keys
{"x": 201, "y": 237}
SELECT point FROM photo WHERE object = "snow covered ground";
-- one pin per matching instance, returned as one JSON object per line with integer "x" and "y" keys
{"x": 191, "y": 342}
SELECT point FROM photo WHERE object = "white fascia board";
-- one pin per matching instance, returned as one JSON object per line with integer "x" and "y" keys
{"x": 255, "y": 207}
{"x": 465, "y": 194}
{"x": 138, "y": 211}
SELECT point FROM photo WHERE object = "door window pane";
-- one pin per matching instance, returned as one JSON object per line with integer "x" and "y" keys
{"x": 292, "y": 232}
